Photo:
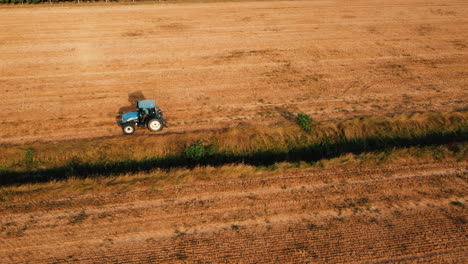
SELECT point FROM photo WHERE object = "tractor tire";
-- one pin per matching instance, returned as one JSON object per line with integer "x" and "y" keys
{"x": 155, "y": 125}
{"x": 128, "y": 129}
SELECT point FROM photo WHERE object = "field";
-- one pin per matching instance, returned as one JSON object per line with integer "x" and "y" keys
{"x": 380, "y": 178}
{"x": 392, "y": 214}
{"x": 65, "y": 72}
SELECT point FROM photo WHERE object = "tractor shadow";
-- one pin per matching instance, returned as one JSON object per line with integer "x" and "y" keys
{"x": 133, "y": 99}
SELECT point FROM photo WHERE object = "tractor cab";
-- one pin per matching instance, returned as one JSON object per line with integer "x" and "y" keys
{"x": 148, "y": 115}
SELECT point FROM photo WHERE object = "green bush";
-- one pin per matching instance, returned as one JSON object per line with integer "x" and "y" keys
{"x": 198, "y": 151}
{"x": 304, "y": 121}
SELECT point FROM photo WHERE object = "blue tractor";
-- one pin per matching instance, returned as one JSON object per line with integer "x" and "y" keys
{"x": 148, "y": 115}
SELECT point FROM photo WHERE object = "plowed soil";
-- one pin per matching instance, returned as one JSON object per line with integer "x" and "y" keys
{"x": 65, "y": 72}
{"x": 414, "y": 213}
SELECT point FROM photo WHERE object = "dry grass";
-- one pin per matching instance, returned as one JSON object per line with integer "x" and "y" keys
{"x": 280, "y": 138}
{"x": 156, "y": 179}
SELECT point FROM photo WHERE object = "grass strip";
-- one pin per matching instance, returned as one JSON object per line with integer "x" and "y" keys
{"x": 255, "y": 146}
{"x": 153, "y": 181}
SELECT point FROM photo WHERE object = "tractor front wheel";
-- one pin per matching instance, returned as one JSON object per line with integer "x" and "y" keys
{"x": 128, "y": 129}
{"x": 155, "y": 125}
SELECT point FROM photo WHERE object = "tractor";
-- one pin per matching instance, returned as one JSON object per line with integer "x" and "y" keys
{"x": 148, "y": 115}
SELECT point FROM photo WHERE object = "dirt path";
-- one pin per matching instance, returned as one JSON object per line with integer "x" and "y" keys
{"x": 407, "y": 214}
{"x": 66, "y": 71}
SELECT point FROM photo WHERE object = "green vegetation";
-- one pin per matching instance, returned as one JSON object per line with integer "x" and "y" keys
{"x": 304, "y": 121}
{"x": 198, "y": 151}
{"x": 257, "y": 146}
{"x": 29, "y": 158}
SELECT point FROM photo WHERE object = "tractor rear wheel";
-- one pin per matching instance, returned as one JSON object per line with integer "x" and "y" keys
{"x": 155, "y": 125}
{"x": 128, "y": 129}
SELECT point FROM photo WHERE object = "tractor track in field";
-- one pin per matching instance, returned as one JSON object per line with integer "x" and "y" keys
{"x": 396, "y": 214}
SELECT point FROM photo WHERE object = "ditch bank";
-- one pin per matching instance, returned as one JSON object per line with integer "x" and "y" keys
{"x": 262, "y": 147}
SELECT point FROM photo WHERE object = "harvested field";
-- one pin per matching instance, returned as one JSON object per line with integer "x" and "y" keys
{"x": 65, "y": 72}
{"x": 411, "y": 213}
{"x": 378, "y": 176}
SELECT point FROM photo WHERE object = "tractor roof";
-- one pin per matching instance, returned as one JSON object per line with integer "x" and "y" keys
{"x": 147, "y": 103}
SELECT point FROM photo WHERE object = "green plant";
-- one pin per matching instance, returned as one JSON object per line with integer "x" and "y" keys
{"x": 198, "y": 151}
{"x": 29, "y": 158}
{"x": 304, "y": 121}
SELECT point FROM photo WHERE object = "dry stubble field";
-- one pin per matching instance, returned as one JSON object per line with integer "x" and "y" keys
{"x": 403, "y": 214}
{"x": 66, "y": 71}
